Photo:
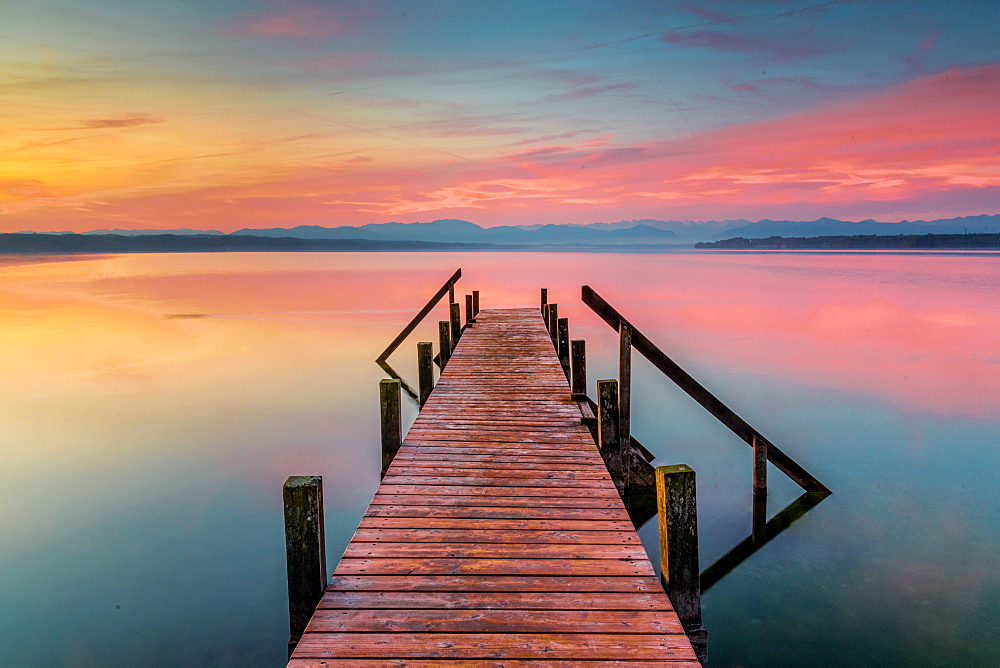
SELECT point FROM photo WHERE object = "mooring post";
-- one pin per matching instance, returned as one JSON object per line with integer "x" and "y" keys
{"x": 468, "y": 310}
{"x": 305, "y": 551}
{"x": 392, "y": 428}
{"x": 607, "y": 428}
{"x": 451, "y": 293}
{"x": 545, "y": 316}
{"x": 545, "y": 300}
{"x": 758, "y": 530}
{"x": 759, "y": 465}
{"x": 475, "y": 303}
{"x": 444, "y": 342}
{"x": 579, "y": 369}
{"x": 678, "y": 524}
{"x": 456, "y": 324}
{"x": 563, "y": 345}
{"x": 425, "y": 370}
{"x": 625, "y": 401}
{"x": 554, "y": 323}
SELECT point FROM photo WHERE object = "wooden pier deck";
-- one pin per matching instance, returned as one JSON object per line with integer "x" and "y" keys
{"x": 497, "y": 536}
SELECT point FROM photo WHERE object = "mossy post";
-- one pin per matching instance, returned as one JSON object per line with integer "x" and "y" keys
{"x": 625, "y": 403}
{"x": 759, "y": 465}
{"x": 545, "y": 300}
{"x": 456, "y": 324}
{"x": 305, "y": 551}
{"x": 678, "y": 523}
{"x": 444, "y": 342}
{"x": 562, "y": 345}
{"x": 607, "y": 428}
{"x": 553, "y": 324}
{"x": 392, "y": 428}
{"x": 578, "y": 354}
{"x": 425, "y": 370}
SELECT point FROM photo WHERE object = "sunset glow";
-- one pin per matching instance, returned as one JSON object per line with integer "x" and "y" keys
{"x": 288, "y": 112}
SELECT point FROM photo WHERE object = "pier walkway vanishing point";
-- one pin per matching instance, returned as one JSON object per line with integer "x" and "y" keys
{"x": 497, "y": 536}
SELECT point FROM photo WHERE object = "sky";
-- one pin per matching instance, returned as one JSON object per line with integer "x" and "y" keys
{"x": 227, "y": 114}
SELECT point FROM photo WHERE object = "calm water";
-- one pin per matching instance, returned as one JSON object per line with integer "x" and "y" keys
{"x": 153, "y": 405}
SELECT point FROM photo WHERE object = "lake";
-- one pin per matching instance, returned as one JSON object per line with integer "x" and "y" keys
{"x": 153, "y": 405}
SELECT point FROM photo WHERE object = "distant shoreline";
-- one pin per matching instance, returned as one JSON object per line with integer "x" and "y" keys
{"x": 860, "y": 242}
{"x": 65, "y": 244}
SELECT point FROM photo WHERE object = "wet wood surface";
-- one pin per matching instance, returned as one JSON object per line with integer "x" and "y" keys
{"x": 497, "y": 536}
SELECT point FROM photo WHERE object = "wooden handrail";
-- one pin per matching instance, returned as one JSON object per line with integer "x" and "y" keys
{"x": 697, "y": 391}
{"x": 447, "y": 288}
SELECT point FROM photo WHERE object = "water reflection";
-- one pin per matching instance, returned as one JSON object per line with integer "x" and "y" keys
{"x": 162, "y": 442}
{"x": 762, "y": 532}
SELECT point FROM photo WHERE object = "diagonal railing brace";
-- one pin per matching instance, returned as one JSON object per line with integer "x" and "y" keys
{"x": 447, "y": 289}
{"x": 697, "y": 391}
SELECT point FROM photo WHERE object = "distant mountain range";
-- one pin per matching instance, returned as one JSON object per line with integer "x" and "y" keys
{"x": 462, "y": 231}
{"x": 825, "y": 227}
{"x": 629, "y": 233}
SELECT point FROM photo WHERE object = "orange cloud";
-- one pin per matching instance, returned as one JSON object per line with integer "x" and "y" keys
{"x": 922, "y": 148}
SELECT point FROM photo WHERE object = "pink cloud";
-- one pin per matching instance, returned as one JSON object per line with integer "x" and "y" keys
{"x": 926, "y": 148}
{"x": 297, "y": 20}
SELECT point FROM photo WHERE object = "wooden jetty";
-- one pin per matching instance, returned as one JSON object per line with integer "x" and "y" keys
{"x": 497, "y": 535}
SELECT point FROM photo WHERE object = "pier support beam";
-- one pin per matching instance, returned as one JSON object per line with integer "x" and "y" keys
{"x": 545, "y": 301}
{"x": 625, "y": 402}
{"x": 392, "y": 427}
{"x": 562, "y": 345}
{"x": 608, "y": 437}
{"x": 553, "y": 324}
{"x": 469, "y": 313}
{"x": 475, "y": 303}
{"x": 305, "y": 551}
{"x": 678, "y": 523}
{"x": 425, "y": 370}
{"x": 456, "y": 323}
{"x": 759, "y": 465}
{"x": 578, "y": 354}
{"x": 444, "y": 343}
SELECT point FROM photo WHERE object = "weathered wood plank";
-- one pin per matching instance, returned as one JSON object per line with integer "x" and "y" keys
{"x": 493, "y": 621}
{"x": 359, "y": 550}
{"x": 495, "y": 646}
{"x": 507, "y": 583}
{"x": 495, "y": 525}
{"x": 496, "y": 600}
{"x": 489, "y": 535}
{"x": 602, "y": 510}
{"x": 469, "y": 566}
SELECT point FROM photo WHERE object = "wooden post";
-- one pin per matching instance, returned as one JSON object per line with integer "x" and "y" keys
{"x": 562, "y": 347}
{"x": 759, "y": 465}
{"x": 475, "y": 303}
{"x": 545, "y": 316}
{"x": 451, "y": 292}
{"x": 425, "y": 370}
{"x": 545, "y": 300}
{"x": 579, "y": 369}
{"x": 554, "y": 323}
{"x": 305, "y": 551}
{"x": 678, "y": 523}
{"x": 444, "y": 342}
{"x": 625, "y": 401}
{"x": 456, "y": 324}
{"x": 607, "y": 428}
{"x": 392, "y": 428}
{"x": 468, "y": 310}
